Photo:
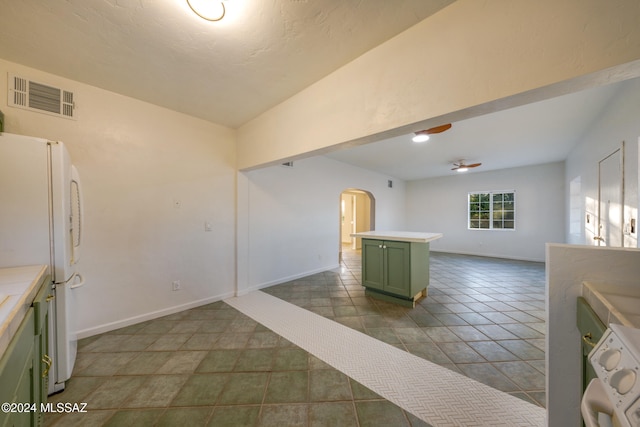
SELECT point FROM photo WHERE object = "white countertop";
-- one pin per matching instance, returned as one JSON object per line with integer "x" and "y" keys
{"x": 614, "y": 303}
{"x": 400, "y": 236}
{"x": 17, "y": 291}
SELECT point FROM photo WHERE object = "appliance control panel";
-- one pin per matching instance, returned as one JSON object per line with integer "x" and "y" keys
{"x": 616, "y": 360}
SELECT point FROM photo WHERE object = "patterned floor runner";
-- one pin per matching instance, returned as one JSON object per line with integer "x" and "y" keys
{"x": 435, "y": 394}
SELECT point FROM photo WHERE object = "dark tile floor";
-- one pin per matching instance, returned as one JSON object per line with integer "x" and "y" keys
{"x": 215, "y": 366}
{"x": 483, "y": 317}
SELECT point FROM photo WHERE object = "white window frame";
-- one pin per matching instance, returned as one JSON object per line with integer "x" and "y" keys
{"x": 491, "y": 212}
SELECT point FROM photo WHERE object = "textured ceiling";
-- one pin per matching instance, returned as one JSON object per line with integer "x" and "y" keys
{"x": 227, "y": 72}
{"x": 260, "y": 54}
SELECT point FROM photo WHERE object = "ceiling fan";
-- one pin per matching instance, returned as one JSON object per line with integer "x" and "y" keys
{"x": 462, "y": 167}
{"x": 423, "y": 135}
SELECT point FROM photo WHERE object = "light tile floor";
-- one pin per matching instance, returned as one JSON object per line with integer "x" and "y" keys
{"x": 213, "y": 365}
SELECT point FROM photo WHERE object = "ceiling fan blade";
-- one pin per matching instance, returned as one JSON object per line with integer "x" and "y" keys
{"x": 464, "y": 166}
{"x": 437, "y": 129}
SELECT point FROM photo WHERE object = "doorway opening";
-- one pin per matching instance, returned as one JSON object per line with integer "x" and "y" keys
{"x": 357, "y": 214}
{"x": 611, "y": 200}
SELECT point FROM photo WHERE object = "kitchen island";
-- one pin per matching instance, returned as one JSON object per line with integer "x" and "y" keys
{"x": 395, "y": 265}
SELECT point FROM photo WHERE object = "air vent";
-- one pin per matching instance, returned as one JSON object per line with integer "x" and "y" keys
{"x": 34, "y": 96}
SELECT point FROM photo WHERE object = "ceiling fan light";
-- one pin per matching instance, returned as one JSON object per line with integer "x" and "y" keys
{"x": 420, "y": 137}
{"x": 462, "y": 169}
{"x": 211, "y": 10}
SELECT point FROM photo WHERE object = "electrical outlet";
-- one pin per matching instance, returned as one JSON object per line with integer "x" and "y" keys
{"x": 176, "y": 285}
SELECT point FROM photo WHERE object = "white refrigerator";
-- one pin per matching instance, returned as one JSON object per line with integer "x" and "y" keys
{"x": 41, "y": 223}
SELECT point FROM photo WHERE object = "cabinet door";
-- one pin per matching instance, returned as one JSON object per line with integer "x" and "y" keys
{"x": 397, "y": 262}
{"x": 591, "y": 329}
{"x": 373, "y": 264}
{"x": 42, "y": 356}
{"x": 17, "y": 372}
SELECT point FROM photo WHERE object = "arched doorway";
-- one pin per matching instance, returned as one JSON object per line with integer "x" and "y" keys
{"x": 357, "y": 213}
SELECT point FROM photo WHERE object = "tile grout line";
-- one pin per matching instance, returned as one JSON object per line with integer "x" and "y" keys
{"x": 428, "y": 391}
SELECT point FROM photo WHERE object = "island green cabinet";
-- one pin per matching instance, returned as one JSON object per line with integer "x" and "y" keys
{"x": 24, "y": 366}
{"x": 395, "y": 271}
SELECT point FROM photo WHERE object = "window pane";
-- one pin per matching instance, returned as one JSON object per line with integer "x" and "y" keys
{"x": 491, "y": 210}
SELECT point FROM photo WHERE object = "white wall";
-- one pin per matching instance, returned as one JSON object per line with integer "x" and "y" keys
{"x": 289, "y": 218}
{"x": 136, "y": 160}
{"x": 619, "y": 121}
{"x": 440, "y": 205}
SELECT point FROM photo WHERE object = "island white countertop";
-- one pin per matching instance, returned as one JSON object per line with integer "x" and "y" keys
{"x": 399, "y": 236}
{"x": 18, "y": 288}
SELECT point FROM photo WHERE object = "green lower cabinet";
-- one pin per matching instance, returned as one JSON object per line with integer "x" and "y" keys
{"x": 395, "y": 271}
{"x": 24, "y": 366}
{"x": 17, "y": 375}
{"x": 591, "y": 330}
{"x": 397, "y": 264}
{"x": 372, "y": 264}
{"x": 43, "y": 360}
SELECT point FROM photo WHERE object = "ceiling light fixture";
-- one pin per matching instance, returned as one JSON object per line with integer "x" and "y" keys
{"x": 423, "y": 135}
{"x": 211, "y": 10}
{"x": 420, "y": 137}
{"x": 462, "y": 167}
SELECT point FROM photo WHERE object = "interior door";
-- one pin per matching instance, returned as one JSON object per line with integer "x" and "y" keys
{"x": 610, "y": 200}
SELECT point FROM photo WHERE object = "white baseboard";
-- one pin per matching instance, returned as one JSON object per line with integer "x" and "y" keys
{"x": 486, "y": 255}
{"x": 285, "y": 279}
{"x": 107, "y": 327}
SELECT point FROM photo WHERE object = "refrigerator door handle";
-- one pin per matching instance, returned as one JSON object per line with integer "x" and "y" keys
{"x": 76, "y": 215}
{"x": 79, "y": 284}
